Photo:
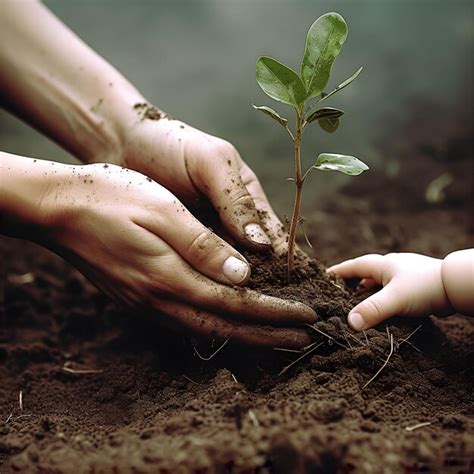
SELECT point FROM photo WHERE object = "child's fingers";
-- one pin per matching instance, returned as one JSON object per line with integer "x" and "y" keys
{"x": 375, "y": 309}
{"x": 368, "y": 283}
{"x": 368, "y": 266}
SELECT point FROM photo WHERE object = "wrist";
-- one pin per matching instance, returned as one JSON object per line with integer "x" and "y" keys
{"x": 457, "y": 275}
{"x": 26, "y": 208}
{"x": 440, "y": 304}
{"x": 113, "y": 118}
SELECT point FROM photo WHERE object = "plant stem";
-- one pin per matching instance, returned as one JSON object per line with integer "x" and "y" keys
{"x": 298, "y": 191}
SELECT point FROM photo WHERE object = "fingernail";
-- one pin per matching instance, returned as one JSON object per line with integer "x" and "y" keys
{"x": 255, "y": 233}
{"x": 308, "y": 312}
{"x": 356, "y": 321}
{"x": 235, "y": 270}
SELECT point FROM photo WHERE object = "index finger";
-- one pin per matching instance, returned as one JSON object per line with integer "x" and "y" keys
{"x": 219, "y": 179}
{"x": 237, "y": 303}
{"x": 270, "y": 221}
{"x": 209, "y": 324}
{"x": 368, "y": 266}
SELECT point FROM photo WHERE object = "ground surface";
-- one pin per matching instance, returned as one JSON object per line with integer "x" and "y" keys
{"x": 154, "y": 406}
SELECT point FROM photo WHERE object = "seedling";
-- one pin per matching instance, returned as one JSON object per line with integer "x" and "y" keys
{"x": 304, "y": 92}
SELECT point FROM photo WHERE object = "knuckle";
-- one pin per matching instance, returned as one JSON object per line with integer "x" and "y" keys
{"x": 242, "y": 202}
{"x": 204, "y": 246}
{"x": 242, "y": 199}
{"x": 280, "y": 245}
{"x": 248, "y": 176}
{"x": 168, "y": 199}
{"x": 224, "y": 149}
{"x": 164, "y": 205}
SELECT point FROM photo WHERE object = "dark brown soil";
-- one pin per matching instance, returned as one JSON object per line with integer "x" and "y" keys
{"x": 154, "y": 406}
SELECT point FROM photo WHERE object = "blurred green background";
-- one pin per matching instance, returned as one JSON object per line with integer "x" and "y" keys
{"x": 196, "y": 60}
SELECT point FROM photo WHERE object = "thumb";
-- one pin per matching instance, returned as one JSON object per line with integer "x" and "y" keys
{"x": 375, "y": 309}
{"x": 221, "y": 181}
{"x": 198, "y": 245}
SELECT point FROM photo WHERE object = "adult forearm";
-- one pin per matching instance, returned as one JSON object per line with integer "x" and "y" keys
{"x": 53, "y": 80}
{"x": 457, "y": 272}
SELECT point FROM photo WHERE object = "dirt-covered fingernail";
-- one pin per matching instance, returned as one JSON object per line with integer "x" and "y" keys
{"x": 356, "y": 321}
{"x": 236, "y": 270}
{"x": 256, "y": 234}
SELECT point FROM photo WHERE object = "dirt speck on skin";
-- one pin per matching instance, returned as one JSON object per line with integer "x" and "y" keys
{"x": 150, "y": 112}
{"x": 152, "y": 405}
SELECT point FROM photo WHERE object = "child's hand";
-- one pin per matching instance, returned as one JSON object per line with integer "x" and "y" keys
{"x": 412, "y": 286}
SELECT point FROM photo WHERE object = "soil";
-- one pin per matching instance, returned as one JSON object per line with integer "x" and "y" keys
{"x": 148, "y": 111}
{"x": 104, "y": 390}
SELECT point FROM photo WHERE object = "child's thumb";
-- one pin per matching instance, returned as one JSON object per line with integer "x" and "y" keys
{"x": 375, "y": 309}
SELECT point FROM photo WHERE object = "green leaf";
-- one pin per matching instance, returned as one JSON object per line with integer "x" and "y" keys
{"x": 342, "y": 84}
{"x": 325, "y": 112}
{"x": 323, "y": 44}
{"x": 272, "y": 113}
{"x": 329, "y": 124}
{"x": 343, "y": 163}
{"x": 279, "y": 81}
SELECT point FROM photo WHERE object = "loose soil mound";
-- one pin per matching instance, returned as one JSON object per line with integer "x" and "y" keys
{"x": 145, "y": 402}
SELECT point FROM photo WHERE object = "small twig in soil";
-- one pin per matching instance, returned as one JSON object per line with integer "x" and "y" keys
{"x": 9, "y": 418}
{"x": 419, "y": 425}
{"x": 21, "y": 279}
{"x": 23, "y": 416}
{"x": 355, "y": 339}
{"x": 383, "y": 366}
{"x": 337, "y": 286}
{"x": 308, "y": 243}
{"x": 347, "y": 340}
{"x": 213, "y": 354}
{"x": 327, "y": 335}
{"x": 234, "y": 377}
{"x": 411, "y": 345}
{"x": 406, "y": 339}
{"x": 189, "y": 379}
{"x": 253, "y": 418}
{"x": 70, "y": 370}
{"x": 366, "y": 338}
{"x": 20, "y": 400}
{"x": 306, "y": 354}
{"x": 281, "y": 349}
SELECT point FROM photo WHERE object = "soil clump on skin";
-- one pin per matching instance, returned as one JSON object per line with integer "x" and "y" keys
{"x": 104, "y": 390}
{"x": 150, "y": 112}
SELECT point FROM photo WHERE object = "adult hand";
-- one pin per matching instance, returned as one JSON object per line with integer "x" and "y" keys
{"x": 138, "y": 243}
{"x": 75, "y": 97}
{"x": 412, "y": 286}
{"x": 201, "y": 169}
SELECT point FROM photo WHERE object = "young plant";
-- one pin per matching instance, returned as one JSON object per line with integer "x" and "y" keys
{"x": 304, "y": 92}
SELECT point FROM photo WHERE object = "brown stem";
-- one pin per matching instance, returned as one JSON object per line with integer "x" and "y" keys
{"x": 298, "y": 190}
